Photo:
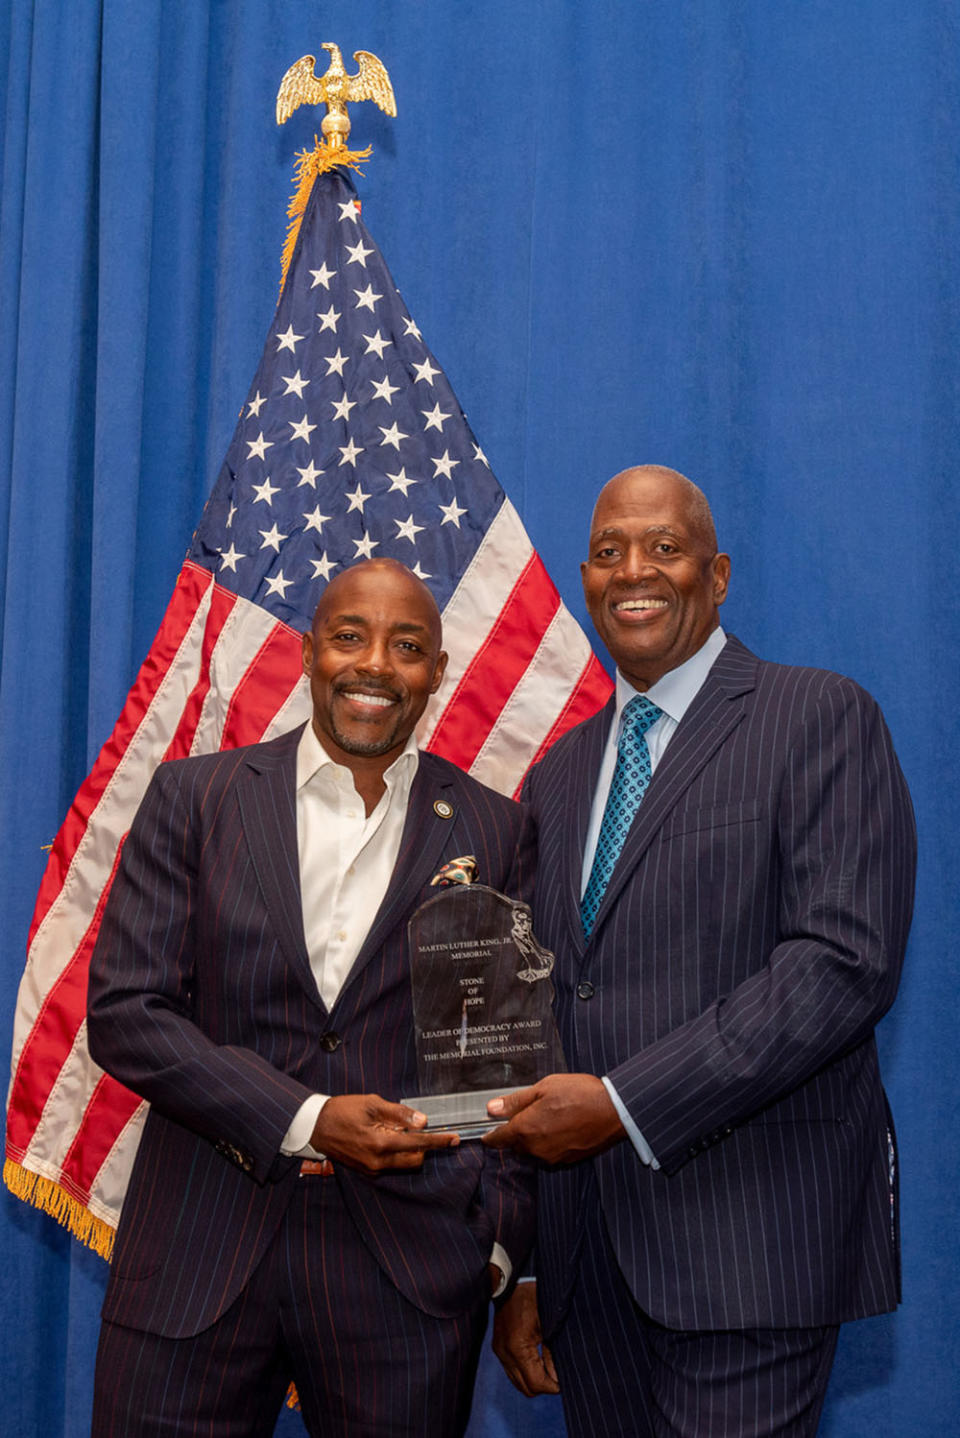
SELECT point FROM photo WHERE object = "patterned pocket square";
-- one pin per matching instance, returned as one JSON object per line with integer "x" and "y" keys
{"x": 457, "y": 871}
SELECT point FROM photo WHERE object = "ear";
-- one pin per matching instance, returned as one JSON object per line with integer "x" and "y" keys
{"x": 439, "y": 671}
{"x": 721, "y": 577}
{"x": 306, "y": 650}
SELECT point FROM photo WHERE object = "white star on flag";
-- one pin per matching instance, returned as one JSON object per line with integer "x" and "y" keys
{"x": 383, "y": 389}
{"x": 406, "y": 529}
{"x": 358, "y": 254}
{"x": 264, "y": 492}
{"x": 335, "y": 363}
{"x": 425, "y": 371}
{"x": 229, "y": 557}
{"x": 376, "y": 344}
{"x": 309, "y": 475}
{"x": 451, "y": 513}
{"x": 288, "y": 340}
{"x": 279, "y": 585}
{"x": 295, "y": 384}
{"x": 357, "y": 499}
{"x": 367, "y": 298}
{"x": 365, "y": 547}
{"x": 323, "y": 567}
{"x": 400, "y": 481}
{"x": 316, "y": 520}
{"x": 445, "y": 465}
{"x": 392, "y": 435}
{"x": 259, "y": 446}
{"x": 272, "y": 538}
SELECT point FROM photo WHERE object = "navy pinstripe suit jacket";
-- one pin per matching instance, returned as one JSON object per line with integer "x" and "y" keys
{"x": 751, "y": 936}
{"x": 202, "y": 1000}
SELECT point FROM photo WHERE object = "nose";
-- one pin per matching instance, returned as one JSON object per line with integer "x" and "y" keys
{"x": 375, "y": 659}
{"x": 637, "y": 565}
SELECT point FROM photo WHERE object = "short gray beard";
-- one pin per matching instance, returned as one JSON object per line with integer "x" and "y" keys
{"x": 370, "y": 750}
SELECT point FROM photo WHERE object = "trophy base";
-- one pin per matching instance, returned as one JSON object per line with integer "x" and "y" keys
{"x": 464, "y": 1112}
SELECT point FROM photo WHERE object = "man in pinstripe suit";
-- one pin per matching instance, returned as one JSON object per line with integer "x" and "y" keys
{"x": 719, "y": 1188}
{"x": 287, "y": 1218}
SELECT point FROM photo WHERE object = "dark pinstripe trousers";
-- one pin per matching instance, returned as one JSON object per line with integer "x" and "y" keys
{"x": 318, "y": 1311}
{"x": 622, "y": 1373}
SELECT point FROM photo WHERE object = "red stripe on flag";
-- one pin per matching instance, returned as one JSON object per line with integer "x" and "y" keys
{"x": 221, "y": 607}
{"x": 191, "y": 585}
{"x": 265, "y": 686}
{"x": 590, "y": 693}
{"x": 497, "y": 667}
{"x": 109, "y": 1110}
{"x": 52, "y": 1036}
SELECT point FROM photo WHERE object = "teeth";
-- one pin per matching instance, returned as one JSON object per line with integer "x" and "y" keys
{"x": 635, "y": 604}
{"x": 359, "y": 697}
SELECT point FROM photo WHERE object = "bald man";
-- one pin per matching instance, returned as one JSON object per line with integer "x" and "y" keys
{"x": 726, "y": 863}
{"x": 288, "y": 1219}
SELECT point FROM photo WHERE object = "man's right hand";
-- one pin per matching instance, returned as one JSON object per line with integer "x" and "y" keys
{"x": 364, "y": 1131}
{"x": 518, "y": 1343}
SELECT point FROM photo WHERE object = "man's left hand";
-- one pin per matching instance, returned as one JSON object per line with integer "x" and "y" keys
{"x": 562, "y": 1118}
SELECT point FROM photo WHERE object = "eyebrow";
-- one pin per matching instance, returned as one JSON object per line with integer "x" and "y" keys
{"x": 612, "y": 529}
{"x": 361, "y": 621}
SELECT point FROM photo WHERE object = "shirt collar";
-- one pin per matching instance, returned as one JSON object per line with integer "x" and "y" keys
{"x": 312, "y": 757}
{"x": 677, "y": 689}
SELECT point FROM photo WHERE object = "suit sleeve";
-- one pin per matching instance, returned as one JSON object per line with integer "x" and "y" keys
{"x": 845, "y": 870}
{"x": 141, "y": 993}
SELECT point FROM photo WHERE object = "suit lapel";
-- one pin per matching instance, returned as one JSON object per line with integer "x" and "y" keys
{"x": 716, "y": 710}
{"x": 425, "y": 832}
{"x": 583, "y": 758}
{"x": 267, "y": 797}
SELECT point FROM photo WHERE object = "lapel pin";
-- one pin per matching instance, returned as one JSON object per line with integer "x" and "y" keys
{"x": 442, "y": 809}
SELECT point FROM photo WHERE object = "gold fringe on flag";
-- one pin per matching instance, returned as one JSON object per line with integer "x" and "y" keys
{"x": 69, "y": 1212}
{"x": 310, "y": 164}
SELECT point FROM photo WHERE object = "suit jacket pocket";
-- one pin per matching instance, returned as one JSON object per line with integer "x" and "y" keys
{"x": 717, "y": 816}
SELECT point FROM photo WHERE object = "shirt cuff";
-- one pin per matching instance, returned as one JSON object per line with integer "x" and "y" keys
{"x": 498, "y": 1256}
{"x": 644, "y": 1151}
{"x": 296, "y": 1141}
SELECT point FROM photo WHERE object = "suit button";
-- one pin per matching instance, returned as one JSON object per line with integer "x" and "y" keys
{"x": 330, "y": 1042}
{"x": 585, "y": 990}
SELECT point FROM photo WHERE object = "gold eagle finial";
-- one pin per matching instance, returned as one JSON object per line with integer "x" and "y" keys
{"x": 301, "y": 86}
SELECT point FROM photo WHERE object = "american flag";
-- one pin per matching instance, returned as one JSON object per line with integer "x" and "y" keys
{"x": 351, "y": 444}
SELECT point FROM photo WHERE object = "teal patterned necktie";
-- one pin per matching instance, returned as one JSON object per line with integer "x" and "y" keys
{"x": 628, "y": 786}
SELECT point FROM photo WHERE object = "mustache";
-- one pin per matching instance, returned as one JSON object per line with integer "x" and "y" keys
{"x": 368, "y": 686}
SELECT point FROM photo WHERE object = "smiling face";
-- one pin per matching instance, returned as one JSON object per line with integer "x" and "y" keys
{"x": 374, "y": 658}
{"x": 653, "y": 580}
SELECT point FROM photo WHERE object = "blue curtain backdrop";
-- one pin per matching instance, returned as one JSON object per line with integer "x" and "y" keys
{"x": 718, "y": 234}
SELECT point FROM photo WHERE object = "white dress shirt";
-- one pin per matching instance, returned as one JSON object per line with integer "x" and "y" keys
{"x": 674, "y": 694}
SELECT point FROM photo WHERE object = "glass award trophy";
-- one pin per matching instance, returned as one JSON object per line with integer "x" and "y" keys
{"x": 481, "y": 1002}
